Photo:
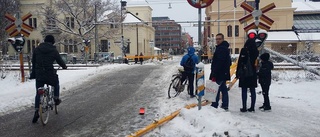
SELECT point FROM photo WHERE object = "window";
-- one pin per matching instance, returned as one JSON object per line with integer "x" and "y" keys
{"x": 114, "y": 26}
{"x": 252, "y": 3}
{"x": 128, "y": 48}
{"x": 33, "y": 22}
{"x": 104, "y": 45}
{"x": 70, "y": 22}
{"x": 66, "y": 49}
{"x": 237, "y": 51}
{"x": 28, "y": 46}
{"x": 237, "y": 30}
{"x": 229, "y": 29}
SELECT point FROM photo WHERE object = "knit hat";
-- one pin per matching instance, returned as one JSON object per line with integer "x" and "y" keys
{"x": 49, "y": 38}
{"x": 265, "y": 56}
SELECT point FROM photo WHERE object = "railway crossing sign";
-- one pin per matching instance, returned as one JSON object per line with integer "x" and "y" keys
{"x": 257, "y": 14}
{"x": 18, "y": 26}
{"x": 200, "y": 3}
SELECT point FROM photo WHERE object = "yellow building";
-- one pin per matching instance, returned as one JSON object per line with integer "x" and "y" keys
{"x": 73, "y": 45}
{"x": 282, "y": 16}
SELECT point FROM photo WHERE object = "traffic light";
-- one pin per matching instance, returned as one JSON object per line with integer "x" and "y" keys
{"x": 261, "y": 38}
{"x": 252, "y": 34}
{"x": 17, "y": 43}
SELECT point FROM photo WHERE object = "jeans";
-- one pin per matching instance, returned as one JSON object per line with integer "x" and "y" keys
{"x": 190, "y": 77}
{"x": 265, "y": 92}
{"x": 225, "y": 97}
{"x": 244, "y": 97}
{"x": 41, "y": 84}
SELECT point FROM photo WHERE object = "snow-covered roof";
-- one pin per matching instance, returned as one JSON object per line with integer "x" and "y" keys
{"x": 290, "y": 36}
{"x": 155, "y": 48}
{"x": 131, "y": 19}
{"x": 306, "y": 6}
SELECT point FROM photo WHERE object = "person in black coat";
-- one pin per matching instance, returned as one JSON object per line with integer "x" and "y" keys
{"x": 220, "y": 70}
{"x": 249, "y": 50}
{"x": 141, "y": 58}
{"x": 42, "y": 70}
{"x": 264, "y": 75}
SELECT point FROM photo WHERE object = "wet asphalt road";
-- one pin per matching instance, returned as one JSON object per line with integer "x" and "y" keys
{"x": 107, "y": 106}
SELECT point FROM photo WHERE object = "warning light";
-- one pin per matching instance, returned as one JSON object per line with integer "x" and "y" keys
{"x": 252, "y": 35}
{"x": 262, "y": 35}
{"x": 141, "y": 112}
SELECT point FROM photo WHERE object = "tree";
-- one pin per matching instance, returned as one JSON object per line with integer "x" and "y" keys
{"x": 77, "y": 19}
{"x": 10, "y": 7}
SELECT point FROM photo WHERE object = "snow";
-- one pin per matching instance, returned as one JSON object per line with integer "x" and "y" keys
{"x": 294, "y": 100}
{"x": 306, "y": 6}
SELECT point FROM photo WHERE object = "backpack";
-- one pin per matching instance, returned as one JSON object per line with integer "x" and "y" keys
{"x": 189, "y": 65}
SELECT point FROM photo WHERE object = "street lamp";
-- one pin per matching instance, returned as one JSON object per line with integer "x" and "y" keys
{"x": 123, "y": 5}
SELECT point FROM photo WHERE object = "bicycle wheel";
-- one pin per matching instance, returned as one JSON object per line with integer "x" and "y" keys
{"x": 51, "y": 89}
{"x": 173, "y": 90}
{"x": 44, "y": 109}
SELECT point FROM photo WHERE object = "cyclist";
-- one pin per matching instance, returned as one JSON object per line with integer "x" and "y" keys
{"x": 43, "y": 71}
{"x": 189, "y": 62}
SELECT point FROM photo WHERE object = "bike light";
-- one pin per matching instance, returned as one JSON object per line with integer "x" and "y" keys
{"x": 141, "y": 112}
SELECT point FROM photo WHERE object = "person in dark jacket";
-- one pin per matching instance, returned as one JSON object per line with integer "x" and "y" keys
{"x": 264, "y": 75}
{"x": 42, "y": 70}
{"x": 141, "y": 58}
{"x": 189, "y": 73}
{"x": 220, "y": 70}
{"x": 248, "y": 51}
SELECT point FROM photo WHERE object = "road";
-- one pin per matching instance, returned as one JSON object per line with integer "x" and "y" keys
{"x": 106, "y": 107}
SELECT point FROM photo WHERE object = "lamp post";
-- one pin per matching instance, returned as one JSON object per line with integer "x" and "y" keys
{"x": 123, "y": 5}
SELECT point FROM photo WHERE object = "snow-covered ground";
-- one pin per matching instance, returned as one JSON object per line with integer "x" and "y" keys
{"x": 295, "y": 111}
{"x": 293, "y": 94}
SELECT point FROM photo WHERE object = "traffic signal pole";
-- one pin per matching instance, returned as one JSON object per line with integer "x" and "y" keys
{"x": 21, "y": 67}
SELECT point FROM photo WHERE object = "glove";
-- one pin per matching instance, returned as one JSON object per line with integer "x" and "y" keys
{"x": 213, "y": 79}
{"x": 212, "y": 75}
{"x": 64, "y": 67}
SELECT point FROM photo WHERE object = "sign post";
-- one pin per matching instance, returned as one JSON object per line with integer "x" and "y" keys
{"x": 200, "y": 83}
{"x": 17, "y": 31}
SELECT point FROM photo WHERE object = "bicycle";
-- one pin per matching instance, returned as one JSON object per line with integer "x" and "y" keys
{"x": 46, "y": 103}
{"x": 177, "y": 85}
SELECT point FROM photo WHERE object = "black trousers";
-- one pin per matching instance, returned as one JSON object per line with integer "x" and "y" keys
{"x": 190, "y": 77}
{"x": 265, "y": 93}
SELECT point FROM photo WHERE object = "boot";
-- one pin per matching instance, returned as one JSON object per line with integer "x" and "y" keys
{"x": 243, "y": 110}
{"x": 35, "y": 117}
{"x": 251, "y": 109}
{"x": 57, "y": 101}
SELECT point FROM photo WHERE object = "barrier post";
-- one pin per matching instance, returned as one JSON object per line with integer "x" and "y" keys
{"x": 200, "y": 83}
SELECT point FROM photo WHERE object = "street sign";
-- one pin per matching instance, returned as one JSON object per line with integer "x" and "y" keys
{"x": 200, "y": 3}
{"x": 257, "y": 14}
{"x": 18, "y": 26}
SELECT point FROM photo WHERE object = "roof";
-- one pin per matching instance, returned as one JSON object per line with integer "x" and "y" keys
{"x": 306, "y": 6}
{"x": 290, "y": 36}
{"x": 130, "y": 18}
{"x": 307, "y": 22}
{"x": 156, "y": 49}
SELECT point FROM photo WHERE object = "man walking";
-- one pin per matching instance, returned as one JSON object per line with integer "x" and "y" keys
{"x": 220, "y": 70}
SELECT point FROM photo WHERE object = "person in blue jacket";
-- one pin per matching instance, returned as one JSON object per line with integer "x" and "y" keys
{"x": 189, "y": 62}
{"x": 220, "y": 70}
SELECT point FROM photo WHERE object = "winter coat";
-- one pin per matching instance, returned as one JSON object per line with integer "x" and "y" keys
{"x": 141, "y": 57}
{"x": 42, "y": 63}
{"x": 248, "y": 82}
{"x": 265, "y": 73}
{"x": 194, "y": 57}
{"x": 221, "y": 62}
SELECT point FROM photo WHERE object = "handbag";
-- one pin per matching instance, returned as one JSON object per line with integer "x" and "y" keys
{"x": 246, "y": 68}
{"x": 211, "y": 90}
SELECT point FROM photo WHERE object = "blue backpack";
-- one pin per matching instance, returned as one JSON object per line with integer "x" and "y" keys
{"x": 189, "y": 65}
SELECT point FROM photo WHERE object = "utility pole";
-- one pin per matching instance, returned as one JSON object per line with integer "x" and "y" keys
{"x": 218, "y": 16}
{"x": 123, "y": 4}
{"x": 96, "y": 32}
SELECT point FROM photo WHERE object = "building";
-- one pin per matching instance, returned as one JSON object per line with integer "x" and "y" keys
{"x": 235, "y": 34}
{"x": 108, "y": 31}
{"x": 167, "y": 35}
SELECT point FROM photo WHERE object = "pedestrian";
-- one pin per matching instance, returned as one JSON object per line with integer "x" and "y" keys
{"x": 264, "y": 75}
{"x": 220, "y": 70}
{"x": 189, "y": 62}
{"x": 141, "y": 58}
{"x": 246, "y": 73}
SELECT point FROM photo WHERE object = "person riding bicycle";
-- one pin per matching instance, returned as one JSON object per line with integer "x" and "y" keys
{"x": 189, "y": 62}
{"x": 43, "y": 71}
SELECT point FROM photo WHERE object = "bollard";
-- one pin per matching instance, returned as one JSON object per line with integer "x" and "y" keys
{"x": 200, "y": 83}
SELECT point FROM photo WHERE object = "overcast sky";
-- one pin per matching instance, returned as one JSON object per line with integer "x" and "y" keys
{"x": 180, "y": 11}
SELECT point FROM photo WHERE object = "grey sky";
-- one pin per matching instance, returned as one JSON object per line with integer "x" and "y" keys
{"x": 180, "y": 11}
